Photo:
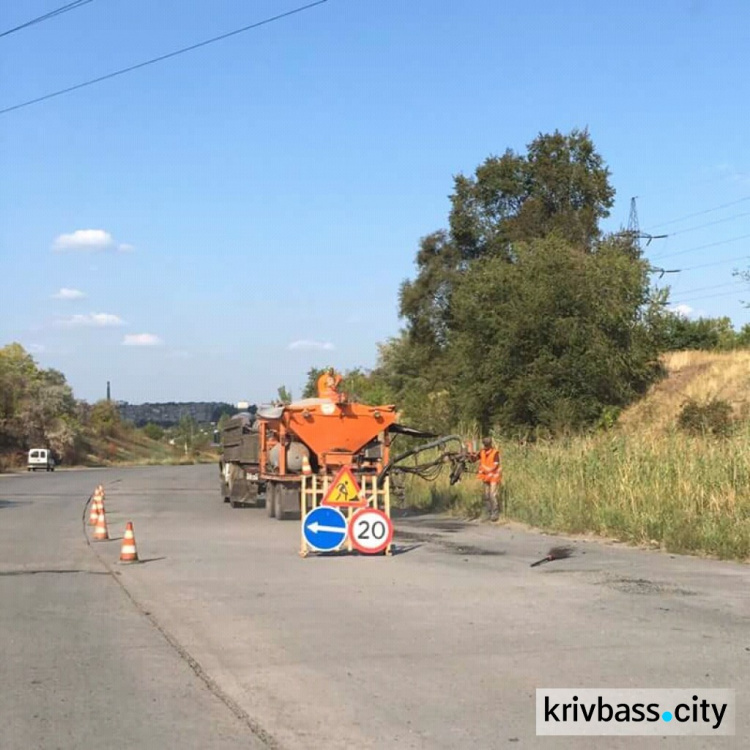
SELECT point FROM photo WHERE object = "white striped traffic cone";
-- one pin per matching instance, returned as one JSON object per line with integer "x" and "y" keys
{"x": 100, "y": 532}
{"x": 128, "y": 552}
{"x": 96, "y": 507}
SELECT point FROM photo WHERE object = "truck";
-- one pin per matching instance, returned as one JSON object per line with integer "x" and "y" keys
{"x": 288, "y": 456}
{"x": 304, "y": 445}
{"x": 239, "y": 466}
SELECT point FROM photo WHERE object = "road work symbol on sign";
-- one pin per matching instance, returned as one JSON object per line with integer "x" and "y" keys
{"x": 370, "y": 531}
{"x": 344, "y": 491}
{"x": 324, "y": 529}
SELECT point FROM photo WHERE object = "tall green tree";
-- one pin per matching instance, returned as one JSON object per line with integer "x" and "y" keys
{"x": 554, "y": 338}
{"x": 522, "y": 312}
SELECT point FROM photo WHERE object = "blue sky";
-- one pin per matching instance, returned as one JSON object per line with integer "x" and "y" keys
{"x": 242, "y": 212}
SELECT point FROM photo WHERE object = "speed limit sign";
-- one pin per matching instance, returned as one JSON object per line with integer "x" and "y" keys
{"x": 370, "y": 531}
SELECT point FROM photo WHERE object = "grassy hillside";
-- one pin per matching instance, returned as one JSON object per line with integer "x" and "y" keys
{"x": 646, "y": 481}
{"x": 700, "y": 376}
{"x": 125, "y": 446}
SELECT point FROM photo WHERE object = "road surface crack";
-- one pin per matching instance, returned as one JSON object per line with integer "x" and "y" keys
{"x": 260, "y": 733}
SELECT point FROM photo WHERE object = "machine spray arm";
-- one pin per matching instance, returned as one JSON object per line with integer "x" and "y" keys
{"x": 414, "y": 451}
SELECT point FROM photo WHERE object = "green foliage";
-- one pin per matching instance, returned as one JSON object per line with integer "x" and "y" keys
{"x": 358, "y": 384}
{"x": 521, "y": 313}
{"x": 153, "y": 431}
{"x": 711, "y": 418}
{"x": 285, "y": 395}
{"x": 706, "y": 334}
{"x": 37, "y": 407}
{"x": 191, "y": 438}
{"x": 554, "y": 338}
{"x": 104, "y": 418}
{"x": 311, "y": 386}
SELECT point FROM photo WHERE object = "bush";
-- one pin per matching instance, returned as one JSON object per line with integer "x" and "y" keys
{"x": 153, "y": 431}
{"x": 713, "y": 417}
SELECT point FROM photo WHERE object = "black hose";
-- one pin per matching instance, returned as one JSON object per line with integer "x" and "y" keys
{"x": 414, "y": 451}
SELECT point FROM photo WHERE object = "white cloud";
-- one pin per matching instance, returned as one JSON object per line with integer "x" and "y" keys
{"x": 66, "y": 293}
{"x": 683, "y": 310}
{"x": 96, "y": 320}
{"x": 141, "y": 339}
{"x": 307, "y": 345}
{"x": 89, "y": 240}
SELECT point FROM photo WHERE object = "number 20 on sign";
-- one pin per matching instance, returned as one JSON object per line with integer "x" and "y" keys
{"x": 370, "y": 531}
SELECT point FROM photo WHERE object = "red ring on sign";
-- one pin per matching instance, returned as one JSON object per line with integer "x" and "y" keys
{"x": 381, "y": 516}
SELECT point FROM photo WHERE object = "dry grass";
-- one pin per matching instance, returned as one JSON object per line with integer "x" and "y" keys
{"x": 700, "y": 376}
{"x": 644, "y": 482}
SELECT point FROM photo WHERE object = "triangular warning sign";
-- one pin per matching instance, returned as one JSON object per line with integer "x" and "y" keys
{"x": 344, "y": 491}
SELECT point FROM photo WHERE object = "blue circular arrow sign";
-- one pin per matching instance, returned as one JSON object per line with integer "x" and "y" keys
{"x": 324, "y": 528}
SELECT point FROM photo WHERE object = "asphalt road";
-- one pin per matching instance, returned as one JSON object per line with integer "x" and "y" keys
{"x": 224, "y": 637}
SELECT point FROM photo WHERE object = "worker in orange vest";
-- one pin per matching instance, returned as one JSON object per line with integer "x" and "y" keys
{"x": 328, "y": 384}
{"x": 491, "y": 474}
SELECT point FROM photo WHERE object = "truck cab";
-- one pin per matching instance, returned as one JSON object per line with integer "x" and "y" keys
{"x": 40, "y": 458}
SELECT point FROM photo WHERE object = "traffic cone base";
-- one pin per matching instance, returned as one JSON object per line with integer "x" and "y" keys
{"x": 128, "y": 552}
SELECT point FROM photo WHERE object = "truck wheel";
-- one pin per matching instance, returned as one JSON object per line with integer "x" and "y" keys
{"x": 271, "y": 499}
{"x": 279, "y": 503}
{"x": 287, "y": 502}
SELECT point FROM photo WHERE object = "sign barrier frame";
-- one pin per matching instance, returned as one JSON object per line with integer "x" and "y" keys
{"x": 315, "y": 488}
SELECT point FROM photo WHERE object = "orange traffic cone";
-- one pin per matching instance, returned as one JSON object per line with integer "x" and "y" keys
{"x": 128, "y": 552}
{"x": 100, "y": 532}
{"x": 94, "y": 515}
{"x": 306, "y": 470}
{"x": 96, "y": 506}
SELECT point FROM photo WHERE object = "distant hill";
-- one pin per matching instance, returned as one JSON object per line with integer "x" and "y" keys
{"x": 170, "y": 414}
{"x": 694, "y": 375}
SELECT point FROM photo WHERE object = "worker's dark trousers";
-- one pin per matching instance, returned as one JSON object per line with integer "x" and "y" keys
{"x": 490, "y": 498}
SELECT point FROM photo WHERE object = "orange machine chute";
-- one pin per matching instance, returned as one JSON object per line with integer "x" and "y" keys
{"x": 334, "y": 431}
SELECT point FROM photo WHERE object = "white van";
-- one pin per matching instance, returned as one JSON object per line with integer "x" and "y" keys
{"x": 41, "y": 458}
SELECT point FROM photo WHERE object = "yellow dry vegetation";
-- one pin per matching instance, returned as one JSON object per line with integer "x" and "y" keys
{"x": 645, "y": 481}
{"x": 696, "y": 375}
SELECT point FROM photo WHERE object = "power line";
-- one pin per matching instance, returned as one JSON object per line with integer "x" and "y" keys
{"x": 163, "y": 57}
{"x": 718, "y": 262}
{"x": 56, "y": 12}
{"x": 700, "y": 213}
{"x": 708, "y": 288}
{"x": 711, "y": 223}
{"x": 706, "y": 296}
{"x": 703, "y": 247}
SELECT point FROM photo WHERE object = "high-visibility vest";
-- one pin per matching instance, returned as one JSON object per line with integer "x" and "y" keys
{"x": 489, "y": 465}
{"x": 327, "y": 385}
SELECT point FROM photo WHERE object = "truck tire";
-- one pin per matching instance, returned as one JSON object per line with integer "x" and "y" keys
{"x": 278, "y": 510}
{"x": 287, "y": 502}
{"x": 271, "y": 499}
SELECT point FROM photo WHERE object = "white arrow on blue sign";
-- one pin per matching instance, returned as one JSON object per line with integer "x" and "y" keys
{"x": 325, "y": 528}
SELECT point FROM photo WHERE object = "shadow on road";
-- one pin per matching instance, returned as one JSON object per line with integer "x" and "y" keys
{"x": 13, "y": 503}
{"x": 51, "y": 571}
